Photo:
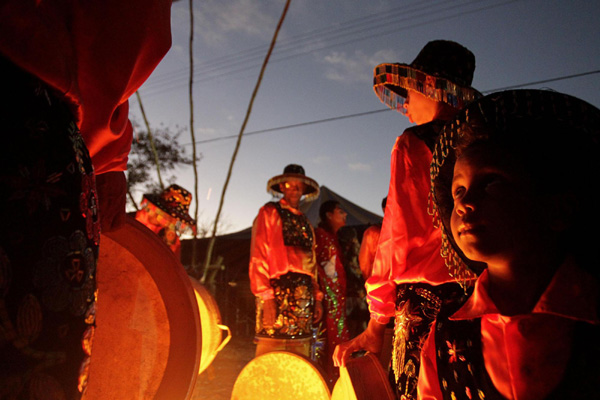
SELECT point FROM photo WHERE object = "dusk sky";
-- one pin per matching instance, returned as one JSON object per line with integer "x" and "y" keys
{"x": 322, "y": 68}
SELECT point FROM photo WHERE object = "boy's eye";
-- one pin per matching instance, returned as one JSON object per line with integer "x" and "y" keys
{"x": 493, "y": 182}
{"x": 458, "y": 192}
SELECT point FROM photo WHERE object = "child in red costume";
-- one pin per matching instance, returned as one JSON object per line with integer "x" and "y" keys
{"x": 511, "y": 181}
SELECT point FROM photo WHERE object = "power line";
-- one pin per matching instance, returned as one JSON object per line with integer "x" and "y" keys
{"x": 362, "y": 114}
{"x": 279, "y": 128}
{"x": 298, "y": 40}
{"x": 543, "y": 81}
{"x": 240, "y": 64}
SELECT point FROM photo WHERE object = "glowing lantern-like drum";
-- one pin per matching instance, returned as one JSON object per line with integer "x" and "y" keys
{"x": 147, "y": 343}
{"x": 211, "y": 325}
{"x": 363, "y": 378}
{"x": 280, "y": 375}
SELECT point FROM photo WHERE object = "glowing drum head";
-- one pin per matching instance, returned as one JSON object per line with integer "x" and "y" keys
{"x": 147, "y": 343}
{"x": 212, "y": 329}
{"x": 280, "y": 376}
{"x": 363, "y": 378}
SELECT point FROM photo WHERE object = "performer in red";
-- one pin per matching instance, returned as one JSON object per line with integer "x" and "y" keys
{"x": 66, "y": 70}
{"x": 409, "y": 280}
{"x": 167, "y": 215}
{"x": 368, "y": 246}
{"x": 332, "y": 280}
{"x": 512, "y": 181}
{"x": 283, "y": 270}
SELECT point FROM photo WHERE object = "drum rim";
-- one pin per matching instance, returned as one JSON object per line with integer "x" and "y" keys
{"x": 182, "y": 365}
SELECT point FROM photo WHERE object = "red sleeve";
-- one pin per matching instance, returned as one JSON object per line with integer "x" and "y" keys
{"x": 405, "y": 225}
{"x": 260, "y": 252}
{"x": 368, "y": 248}
{"x": 97, "y": 53}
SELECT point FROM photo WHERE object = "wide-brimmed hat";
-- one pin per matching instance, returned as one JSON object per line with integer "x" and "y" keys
{"x": 442, "y": 71}
{"x": 294, "y": 171}
{"x": 555, "y": 134}
{"x": 175, "y": 201}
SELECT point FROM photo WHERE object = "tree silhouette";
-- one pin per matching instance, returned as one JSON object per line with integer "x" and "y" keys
{"x": 141, "y": 167}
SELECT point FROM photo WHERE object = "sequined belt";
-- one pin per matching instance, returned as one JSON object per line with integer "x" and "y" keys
{"x": 417, "y": 306}
{"x": 295, "y": 307}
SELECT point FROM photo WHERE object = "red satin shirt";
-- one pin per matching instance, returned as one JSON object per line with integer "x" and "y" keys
{"x": 409, "y": 245}
{"x": 97, "y": 53}
{"x": 525, "y": 355}
{"x": 271, "y": 258}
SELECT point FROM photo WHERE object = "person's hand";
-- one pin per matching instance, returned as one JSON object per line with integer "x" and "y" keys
{"x": 318, "y": 311}
{"x": 370, "y": 340}
{"x": 269, "y": 313}
{"x": 112, "y": 191}
{"x": 329, "y": 267}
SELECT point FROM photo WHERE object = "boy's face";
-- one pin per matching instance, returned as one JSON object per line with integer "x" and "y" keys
{"x": 420, "y": 109}
{"x": 495, "y": 216}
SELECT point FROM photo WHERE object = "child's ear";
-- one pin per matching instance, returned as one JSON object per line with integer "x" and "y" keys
{"x": 561, "y": 211}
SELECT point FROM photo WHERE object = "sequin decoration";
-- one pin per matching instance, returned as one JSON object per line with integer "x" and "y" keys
{"x": 295, "y": 307}
{"x": 296, "y": 228}
{"x": 417, "y": 307}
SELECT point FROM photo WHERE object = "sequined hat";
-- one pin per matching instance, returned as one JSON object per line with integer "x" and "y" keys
{"x": 442, "y": 71}
{"x": 294, "y": 171}
{"x": 556, "y": 134}
{"x": 175, "y": 201}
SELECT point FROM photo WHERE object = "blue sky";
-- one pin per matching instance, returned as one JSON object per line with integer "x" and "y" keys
{"x": 322, "y": 68}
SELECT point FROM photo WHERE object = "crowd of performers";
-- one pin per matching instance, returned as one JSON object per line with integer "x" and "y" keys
{"x": 485, "y": 261}
{"x": 483, "y": 268}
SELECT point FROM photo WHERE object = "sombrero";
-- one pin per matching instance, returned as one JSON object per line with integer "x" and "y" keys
{"x": 175, "y": 201}
{"x": 442, "y": 71}
{"x": 294, "y": 171}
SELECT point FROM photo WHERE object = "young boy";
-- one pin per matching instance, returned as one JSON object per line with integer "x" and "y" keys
{"x": 511, "y": 183}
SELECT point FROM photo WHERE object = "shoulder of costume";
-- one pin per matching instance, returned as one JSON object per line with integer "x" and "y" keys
{"x": 428, "y": 132}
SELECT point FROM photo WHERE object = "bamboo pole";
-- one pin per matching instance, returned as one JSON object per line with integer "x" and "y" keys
{"x": 239, "y": 140}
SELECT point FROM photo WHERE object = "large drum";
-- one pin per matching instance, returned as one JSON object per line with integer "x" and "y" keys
{"x": 147, "y": 343}
{"x": 212, "y": 329}
{"x": 363, "y": 378}
{"x": 280, "y": 375}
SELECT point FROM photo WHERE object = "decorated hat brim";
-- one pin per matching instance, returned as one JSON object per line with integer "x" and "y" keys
{"x": 157, "y": 201}
{"x": 311, "y": 187}
{"x": 391, "y": 83}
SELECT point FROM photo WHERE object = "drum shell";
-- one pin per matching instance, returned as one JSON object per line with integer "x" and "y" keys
{"x": 147, "y": 343}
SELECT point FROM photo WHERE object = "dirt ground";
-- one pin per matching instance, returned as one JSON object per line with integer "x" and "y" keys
{"x": 216, "y": 382}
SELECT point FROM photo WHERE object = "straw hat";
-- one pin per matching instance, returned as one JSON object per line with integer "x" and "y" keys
{"x": 294, "y": 171}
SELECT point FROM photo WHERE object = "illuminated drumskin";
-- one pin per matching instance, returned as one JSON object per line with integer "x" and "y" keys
{"x": 280, "y": 376}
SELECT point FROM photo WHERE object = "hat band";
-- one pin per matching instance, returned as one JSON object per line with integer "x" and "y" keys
{"x": 407, "y": 78}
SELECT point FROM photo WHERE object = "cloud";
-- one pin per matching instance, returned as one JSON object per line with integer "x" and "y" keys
{"x": 216, "y": 20}
{"x": 321, "y": 159}
{"x": 360, "y": 167}
{"x": 357, "y": 67}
